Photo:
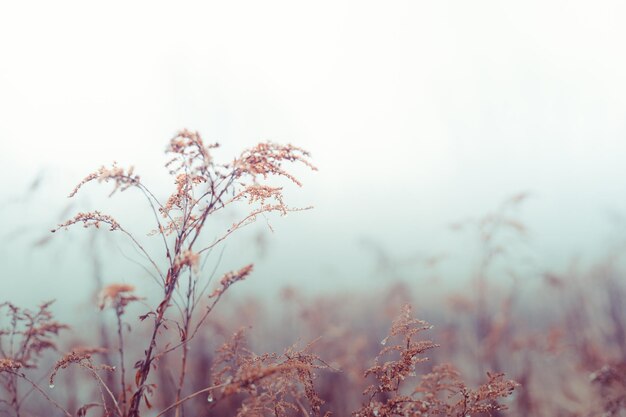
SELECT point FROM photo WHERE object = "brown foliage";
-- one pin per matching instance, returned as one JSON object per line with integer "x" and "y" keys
{"x": 440, "y": 392}
{"x": 568, "y": 358}
{"x": 201, "y": 187}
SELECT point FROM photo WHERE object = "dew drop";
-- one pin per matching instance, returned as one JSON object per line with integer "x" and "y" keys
{"x": 384, "y": 341}
{"x": 209, "y": 398}
{"x": 51, "y": 386}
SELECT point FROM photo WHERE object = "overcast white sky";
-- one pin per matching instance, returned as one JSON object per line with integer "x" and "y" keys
{"x": 417, "y": 113}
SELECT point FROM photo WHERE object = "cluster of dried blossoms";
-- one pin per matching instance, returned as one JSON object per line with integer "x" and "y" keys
{"x": 230, "y": 278}
{"x": 201, "y": 188}
{"x": 123, "y": 179}
{"x": 81, "y": 356}
{"x": 9, "y": 365}
{"x": 117, "y": 296}
{"x": 28, "y": 335}
{"x": 93, "y": 218}
{"x": 441, "y": 392}
{"x": 271, "y": 384}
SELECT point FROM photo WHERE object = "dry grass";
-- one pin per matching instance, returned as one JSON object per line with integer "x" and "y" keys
{"x": 563, "y": 348}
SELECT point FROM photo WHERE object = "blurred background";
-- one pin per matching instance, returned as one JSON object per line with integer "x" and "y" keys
{"x": 419, "y": 115}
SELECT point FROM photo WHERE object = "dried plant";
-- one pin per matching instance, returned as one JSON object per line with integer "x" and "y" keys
{"x": 202, "y": 187}
{"x": 266, "y": 385}
{"x": 390, "y": 374}
{"x": 563, "y": 341}
{"x": 82, "y": 357}
{"x": 118, "y": 296}
{"x": 29, "y": 334}
{"x": 440, "y": 392}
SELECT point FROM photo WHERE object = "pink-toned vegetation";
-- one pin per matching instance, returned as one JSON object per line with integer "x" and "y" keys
{"x": 492, "y": 350}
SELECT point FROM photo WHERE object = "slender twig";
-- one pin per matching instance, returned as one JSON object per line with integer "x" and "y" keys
{"x": 120, "y": 348}
{"x": 190, "y": 396}
{"x": 42, "y": 392}
{"x": 106, "y": 388}
{"x": 195, "y": 331}
{"x": 143, "y": 251}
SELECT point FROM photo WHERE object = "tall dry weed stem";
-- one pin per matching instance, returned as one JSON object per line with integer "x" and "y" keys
{"x": 202, "y": 187}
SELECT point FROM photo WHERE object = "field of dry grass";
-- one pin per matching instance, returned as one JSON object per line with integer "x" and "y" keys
{"x": 495, "y": 345}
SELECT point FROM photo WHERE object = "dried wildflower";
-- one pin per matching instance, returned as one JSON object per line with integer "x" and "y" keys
{"x": 190, "y": 153}
{"x": 261, "y": 193}
{"x": 9, "y": 365}
{"x": 230, "y": 278}
{"x": 93, "y": 218}
{"x": 117, "y": 296}
{"x": 266, "y": 159}
{"x": 31, "y": 333}
{"x": 80, "y": 356}
{"x": 273, "y": 384}
{"x": 182, "y": 196}
{"x": 440, "y": 392}
{"x": 202, "y": 187}
{"x": 391, "y": 373}
{"x": 189, "y": 259}
{"x": 123, "y": 179}
{"x": 446, "y": 394}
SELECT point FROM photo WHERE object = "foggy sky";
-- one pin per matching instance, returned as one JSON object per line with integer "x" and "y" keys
{"x": 417, "y": 114}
